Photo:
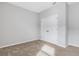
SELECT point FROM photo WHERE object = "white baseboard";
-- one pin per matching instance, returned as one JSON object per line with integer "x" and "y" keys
{"x": 75, "y": 45}
{"x": 17, "y": 43}
{"x": 56, "y": 43}
{"x": 64, "y": 46}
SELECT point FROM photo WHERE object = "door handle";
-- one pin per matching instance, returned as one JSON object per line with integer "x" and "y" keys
{"x": 47, "y": 30}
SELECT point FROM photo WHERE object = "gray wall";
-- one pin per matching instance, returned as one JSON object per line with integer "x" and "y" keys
{"x": 73, "y": 24}
{"x": 60, "y": 10}
{"x": 17, "y": 25}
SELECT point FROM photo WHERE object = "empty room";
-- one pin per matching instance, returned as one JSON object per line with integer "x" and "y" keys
{"x": 39, "y": 28}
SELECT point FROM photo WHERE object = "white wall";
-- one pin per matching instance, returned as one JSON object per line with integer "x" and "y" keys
{"x": 73, "y": 24}
{"x": 17, "y": 25}
{"x": 60, "y": 10}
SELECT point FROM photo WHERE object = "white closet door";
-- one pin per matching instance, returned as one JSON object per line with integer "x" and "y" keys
{"x": 49, "y": 29}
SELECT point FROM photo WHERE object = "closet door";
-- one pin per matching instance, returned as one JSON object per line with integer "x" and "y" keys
{"x": 49, "y": 30}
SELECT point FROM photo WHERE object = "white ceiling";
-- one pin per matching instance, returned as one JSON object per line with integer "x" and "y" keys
{"x": 34, "y": 6}
{"x": 37, "y": 6}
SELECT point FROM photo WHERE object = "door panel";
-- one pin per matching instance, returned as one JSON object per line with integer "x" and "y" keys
{"x": 49, "y": 28}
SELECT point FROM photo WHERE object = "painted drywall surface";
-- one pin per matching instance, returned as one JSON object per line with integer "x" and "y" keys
{"x": 60, "y": 10}
{"x": 73, "y": 24}
{"x": 17, "y": 25}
